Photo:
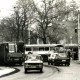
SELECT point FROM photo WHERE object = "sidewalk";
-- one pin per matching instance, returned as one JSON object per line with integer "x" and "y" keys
{"x": 77, "y": 61}
{"x": 6, "y": 70}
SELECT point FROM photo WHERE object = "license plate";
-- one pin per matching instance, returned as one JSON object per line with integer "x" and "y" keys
{"x": 16, "y": 59}
{"x": 32, "y": 66}
{"x": 63, "y": 60}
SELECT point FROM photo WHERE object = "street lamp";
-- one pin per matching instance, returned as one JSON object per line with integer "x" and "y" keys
{"x": 28, "y": 36}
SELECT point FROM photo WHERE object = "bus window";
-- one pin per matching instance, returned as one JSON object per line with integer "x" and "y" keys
{"x": 41, "y": 49}
{"x": 28, "y": 49}
{"x": 35, "y": 49}
{"x": 46, "y": 48}
{"x": 51, "y": 48}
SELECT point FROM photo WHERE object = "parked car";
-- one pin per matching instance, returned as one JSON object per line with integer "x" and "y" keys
{"x": 33, "y": 62}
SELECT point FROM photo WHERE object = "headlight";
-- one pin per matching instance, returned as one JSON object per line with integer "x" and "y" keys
{"x": 25, "y": 64}
{"x": 49, "y": 58}
{"x": 41, "y": 64}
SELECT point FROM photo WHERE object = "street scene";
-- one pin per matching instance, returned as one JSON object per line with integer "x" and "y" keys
{"x": 40, "y": 40}
{"x": 49, "y": 73}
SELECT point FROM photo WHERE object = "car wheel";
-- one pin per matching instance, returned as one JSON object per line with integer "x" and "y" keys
{"x": 68, "y": 64}
{"x": 55, "y": 64}
{"x": 20, "y": 63}
{"x": 65, "y": 64}
{"x": 40, "y": 70}
{"x": 25, "y": 70}
{"x": 52, "y": 63}
{"x": 48, "y": 63}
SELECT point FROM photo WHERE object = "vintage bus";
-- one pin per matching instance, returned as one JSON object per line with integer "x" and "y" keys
{"x": 74, "y": 50}
{"x": 47, "y": 49}
{"x": 43, "y": 49}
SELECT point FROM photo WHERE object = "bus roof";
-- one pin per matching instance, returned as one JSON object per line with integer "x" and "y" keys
{"x": 59, "y": 45}
{"x": 50, "y": 45}
{"x": 71, "y": 45}
{"x": 40, "y": 45}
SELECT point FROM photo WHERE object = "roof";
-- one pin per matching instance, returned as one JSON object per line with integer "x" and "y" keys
{"x": 33, "y": 55}
{"x": 59, "y": 45}
{"x": 51, "y": 45}
{"x": 40, "y": 45}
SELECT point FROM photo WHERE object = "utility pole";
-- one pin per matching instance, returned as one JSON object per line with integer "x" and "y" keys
{"x": 78, "y": 36}
{"x": 28, "y": 36}
{"x": 70, "y": 39}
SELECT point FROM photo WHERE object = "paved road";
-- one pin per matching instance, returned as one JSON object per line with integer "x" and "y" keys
{"x": 32, "y": 75}
{"x": 49, "y": 73}
{"x": 68, "y": 73}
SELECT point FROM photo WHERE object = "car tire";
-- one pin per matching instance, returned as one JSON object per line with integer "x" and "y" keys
{"x": 65, "y": 64}
{"x": 55, "y": 63}
{"x": 51, "y": 63}
{"x": 25, "y": 70}
{"x": 48, "y": 63}
{"x": 40, "y": 70}
{"x": 20, "y": 63}
{"x": 68, "y": 64}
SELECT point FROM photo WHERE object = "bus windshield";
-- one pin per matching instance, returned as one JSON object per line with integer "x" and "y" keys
{"x": 33, "y": 57}
{"x": 11, "y": 48}
{"x": 28, "y": 49}
{"x": 60, "y": 49}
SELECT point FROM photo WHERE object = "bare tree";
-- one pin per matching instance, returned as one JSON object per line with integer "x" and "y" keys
{"x": 24, "y": 17}
{"x": 49, "y": 15}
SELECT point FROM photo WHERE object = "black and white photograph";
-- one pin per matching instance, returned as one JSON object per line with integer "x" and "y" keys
{"x": 39, "y": 39}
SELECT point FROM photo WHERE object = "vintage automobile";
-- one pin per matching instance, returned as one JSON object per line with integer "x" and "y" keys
{"x": 62, "y": 57}
{"x": 59, "y": 57}
{"x": 33, "y": 62}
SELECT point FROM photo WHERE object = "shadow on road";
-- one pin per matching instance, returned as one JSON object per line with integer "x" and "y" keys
{"x": 34, "y": 72}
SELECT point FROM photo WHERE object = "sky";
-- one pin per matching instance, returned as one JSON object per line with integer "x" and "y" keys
{"x": 7, "y": 5}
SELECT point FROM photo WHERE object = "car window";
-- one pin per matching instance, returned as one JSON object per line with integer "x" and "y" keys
{"x": 60, "y": 49}
{"x": 62, "y": 55}
{"x": 31, "y": 57}
{"x": 37, "y": 57}
{"x": 34, "y": 57}
{"x": 54, "y": 55}
{"x": 28, "y": 49}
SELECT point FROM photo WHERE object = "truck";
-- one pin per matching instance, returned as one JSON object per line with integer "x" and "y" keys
{"x": 4, "y": 51}
{"x": 12, "y": 53}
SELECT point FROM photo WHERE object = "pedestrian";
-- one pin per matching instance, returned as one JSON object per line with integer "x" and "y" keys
{"x": 69, "y": 53}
